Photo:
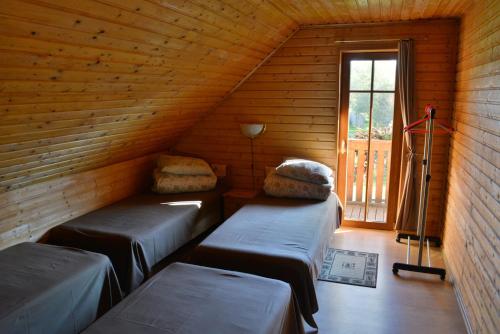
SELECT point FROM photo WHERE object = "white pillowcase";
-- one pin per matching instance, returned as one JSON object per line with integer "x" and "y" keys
{"x": 166, "y": 183}
{"x": 180, "y": 165}
{"x": 305, "y": 170}
{"x": 282, "y": 186}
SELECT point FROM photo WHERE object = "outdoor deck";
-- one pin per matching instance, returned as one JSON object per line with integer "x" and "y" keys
{"x": 365, "y": 183}
{"x": 375, "y": 213}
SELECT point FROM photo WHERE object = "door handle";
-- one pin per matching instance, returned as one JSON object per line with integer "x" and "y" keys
{"x": 342, "y": 147}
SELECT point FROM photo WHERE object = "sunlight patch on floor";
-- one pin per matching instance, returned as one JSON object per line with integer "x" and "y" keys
{"x": 183, "y": 203}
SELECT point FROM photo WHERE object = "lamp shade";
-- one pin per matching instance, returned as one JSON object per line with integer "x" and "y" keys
{"x": 252, "y": 130}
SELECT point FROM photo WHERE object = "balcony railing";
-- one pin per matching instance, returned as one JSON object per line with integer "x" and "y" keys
{"x": 372, "y": 186}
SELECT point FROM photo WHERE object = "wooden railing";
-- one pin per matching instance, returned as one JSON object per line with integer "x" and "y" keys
{"x": 378, "y": 173}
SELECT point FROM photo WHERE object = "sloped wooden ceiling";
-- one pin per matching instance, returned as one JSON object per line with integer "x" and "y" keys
{"x": 84, "y": 83}
{"x": 357, "y": 11}
{"x": 88, "y": 83}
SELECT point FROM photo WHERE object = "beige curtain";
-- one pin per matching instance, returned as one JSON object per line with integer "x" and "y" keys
{"x": 407, "y": 210}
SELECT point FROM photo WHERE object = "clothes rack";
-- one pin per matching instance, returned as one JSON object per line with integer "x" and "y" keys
{"x": 430, "y": 122}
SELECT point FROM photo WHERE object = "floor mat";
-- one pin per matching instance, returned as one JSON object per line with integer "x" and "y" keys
{"x": 350, "y": 267}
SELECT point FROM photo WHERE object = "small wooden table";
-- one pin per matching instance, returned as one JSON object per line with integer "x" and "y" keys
{"x": 234, "y": 199}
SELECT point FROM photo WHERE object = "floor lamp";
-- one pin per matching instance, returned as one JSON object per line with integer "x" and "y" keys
{"x": 252, "y": 131}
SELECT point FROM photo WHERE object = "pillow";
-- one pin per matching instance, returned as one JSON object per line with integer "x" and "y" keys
{"x": 166, "y": 183}
{"x": 176, "y": 164}
{"x": 305, "y": 170}
{"x": 269, "y": 170}
{"x": 281, "y": 186}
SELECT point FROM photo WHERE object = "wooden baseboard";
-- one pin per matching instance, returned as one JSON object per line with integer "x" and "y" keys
{"x": 463, "y": 310}
{"x": 458, "y": 296}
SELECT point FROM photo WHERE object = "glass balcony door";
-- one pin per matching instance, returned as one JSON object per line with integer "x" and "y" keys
{"x": 366, "y": 137}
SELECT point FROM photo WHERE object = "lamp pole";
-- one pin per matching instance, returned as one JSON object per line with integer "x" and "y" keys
{"x": 253, "y": 164}
{"x": 252, "y": 131}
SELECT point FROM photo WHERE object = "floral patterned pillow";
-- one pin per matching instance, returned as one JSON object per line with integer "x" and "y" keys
{"x": 176, "y": 164}
{"x": 166, "y": 183}
{"x": 305, "y": 170}
{"x": 281, "y": 186}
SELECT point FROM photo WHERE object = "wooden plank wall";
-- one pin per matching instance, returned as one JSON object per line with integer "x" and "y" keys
{"x": 472, "y": 216}
{"x": 296, "y": 94}
{"x": 85, "y": 84}
{"x": 28, "y": 212}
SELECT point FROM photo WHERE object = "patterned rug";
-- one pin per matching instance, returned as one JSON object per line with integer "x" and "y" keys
{"x": 350, "y": 267}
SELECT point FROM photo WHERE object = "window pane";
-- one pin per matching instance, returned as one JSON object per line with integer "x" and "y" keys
{"x": 379, "y": 163}
{"x": 382, "y": 115}
{"x": 357, "y": 153}
{"x": 361, "y": 74}
{"x": 384, "y": 75}
{"x": 359, "y": 115}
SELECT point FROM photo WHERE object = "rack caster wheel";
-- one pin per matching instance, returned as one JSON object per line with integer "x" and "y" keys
{"x": 395, "y": 271}
{"x": 442, "y": 277}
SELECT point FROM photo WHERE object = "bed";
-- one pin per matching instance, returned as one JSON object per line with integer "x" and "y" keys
{"x": 278, "y": 238}
{"x": 184, "y": 298}
{"x": 140, "y": 231}
{"x": 51, "y": 289}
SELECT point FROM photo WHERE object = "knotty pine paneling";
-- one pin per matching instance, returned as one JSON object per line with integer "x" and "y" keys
{"x": 85, "y": 84}
{"x": 90, "y": 83}
{"x": 350, "y": 11}
{"x": 73, "y": 71}
{"x": 296, "y": 94}
{"x": 28, "y": 212}
{"x": 472, "y": 215}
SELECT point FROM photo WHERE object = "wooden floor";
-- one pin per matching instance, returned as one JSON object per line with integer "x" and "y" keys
{"x": 375, "y": 213}
{"x": 408, "y": 303}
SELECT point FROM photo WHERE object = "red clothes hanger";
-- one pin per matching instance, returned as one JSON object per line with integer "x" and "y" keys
{"x": 444, "y": 127}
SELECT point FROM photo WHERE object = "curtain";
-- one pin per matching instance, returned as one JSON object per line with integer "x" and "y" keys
{"x": 407, "y": 210}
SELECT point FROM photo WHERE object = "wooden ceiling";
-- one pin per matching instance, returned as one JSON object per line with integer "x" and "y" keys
{"x": 86, "y": 83}
{"x": 358, "y": 11}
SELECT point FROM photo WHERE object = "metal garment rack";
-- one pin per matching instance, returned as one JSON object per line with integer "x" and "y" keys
{"x": 429, "y": 120}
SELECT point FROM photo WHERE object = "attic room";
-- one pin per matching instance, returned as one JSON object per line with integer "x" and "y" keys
{"x": 249, "y": 166}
